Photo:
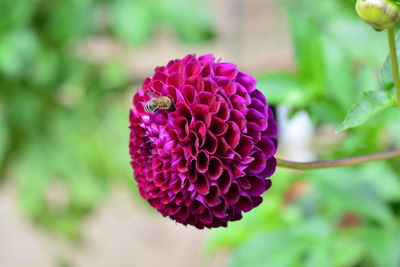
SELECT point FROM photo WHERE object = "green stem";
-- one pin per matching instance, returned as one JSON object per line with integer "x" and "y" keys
{"x": 320, "y": 164}
{"x": 394, "y": 62}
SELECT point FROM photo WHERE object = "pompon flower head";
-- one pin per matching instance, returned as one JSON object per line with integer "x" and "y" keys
{"x": 207, "y": 159}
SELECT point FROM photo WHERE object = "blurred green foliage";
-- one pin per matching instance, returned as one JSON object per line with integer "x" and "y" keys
{"x": 63, "y": 118}
{"x": 336, "y": 217}
{"x": 61, "y": 115}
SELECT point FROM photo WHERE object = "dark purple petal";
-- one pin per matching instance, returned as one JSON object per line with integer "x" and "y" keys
{"x": 211, "y": 143}
{"x": 215, "y": 168}
{"x": 269, "y": 168}
{"x": 212, "y": 198}
{"x": 258, "y": 118}
{"x": 272, "y": 129}
{"x": 200, "y": 113}
{"x": 267, "y": 146}
{"x": 223, "y": 111}
{"x": 201, "y": 130}
{"x": 233, "y": 194}
{"x": 202, "y": 185}
{"x": 259, "y": 162}
{"x": 206, "y": 98}
{"x": 204, "y": 161}
{"x": 197, "y": 207}
{"x": 224, "y": 181}
{"x": 239, "y": 119}
{"x": 220, "y": 210}
{"x": 258, "y": 185}
{"x": 245, "y": 145}
{"x": 247, "y": 81}
{"x": 206, "y": 217}
{"x": 193, "y": 144}
{"x": 232, "y": 135}
{"x": 244, "y": 203}
{"x": 218, "y": 126}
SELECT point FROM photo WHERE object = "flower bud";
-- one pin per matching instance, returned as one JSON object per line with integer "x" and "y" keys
{"x": 380, "y": 14}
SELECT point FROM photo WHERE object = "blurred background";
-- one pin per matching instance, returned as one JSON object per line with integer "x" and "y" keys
{"x": 68, "y": 71}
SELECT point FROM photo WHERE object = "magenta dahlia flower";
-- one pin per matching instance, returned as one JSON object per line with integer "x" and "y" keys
{"x": 206, "y": 158}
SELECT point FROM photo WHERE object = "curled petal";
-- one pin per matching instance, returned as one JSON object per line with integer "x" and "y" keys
{"x": 193, "y": 69}
{"x": 247, "y": 81}
{"x": 259, "y": 162}
{"x": 245, "y": 145}
{"x": 197, "y": 207}
{"x": 205, "y": 160}
{"x": 267, "y": 146}
{"x": 212, "y": 198}
{"x": 257, "y": 185}
{"x": 232, "y": 135}
{"x": 190, "y": 94}
{"x": 200, "y": 113}
{"x": 258, "y": 118}
{"x": 193, "y": 144}
{"x": 220, "y": 210}
{"x": 227, "y": 70}
{"x": 244, "y": 203}
{"x": 211, "y": 143}
{"x": 202, "y": 161}
{"x": 238, "y": 118}
{"x": 202, "y": 185}
{"x": 233, "y": 194}
{"x": 218, "y": 126}
{"x": 215, "y": 168}
{"x": 175, "y": 80}
{"x": 225, "y": 180}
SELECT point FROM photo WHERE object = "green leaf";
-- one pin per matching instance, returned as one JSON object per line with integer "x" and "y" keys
{"x": 190, "y": 20}
{"x": 397, "y": 2}
{"x": 371, "y": 103}
{"x": 281, "y": 88}
{"x": 383, "y": 245}
{"x": 69, "y": 20}
{"x": 386, "y": 75}
{"x": 278, "y": 249}
{"x": 133, "y": 21}
{"x": 324, "y": 111}
{"x": 46, "y": 68}
{"x": 16, "y": 50}
{"x": 344, "y": 191}
{"x": 308, "y": 47}
{"x": 16, "y": 14}
{"x": 388, "y": 185}
{"x": 319, "y": 256}
{"x": 339, "y": 77}
{"x": 348, "y": 250}
{"x": 359, "y": 43}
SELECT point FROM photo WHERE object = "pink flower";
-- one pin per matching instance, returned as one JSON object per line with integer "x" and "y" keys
{"x": 207, "y": 159}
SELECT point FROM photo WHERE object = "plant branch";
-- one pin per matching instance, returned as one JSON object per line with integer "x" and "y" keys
{"x": 320, "y": 164}
{"x": 394, "y": 62}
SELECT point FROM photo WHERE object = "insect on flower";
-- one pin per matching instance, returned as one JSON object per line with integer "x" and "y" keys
{"x": 210, "y": 157}
{"x": 162, "y": 102}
